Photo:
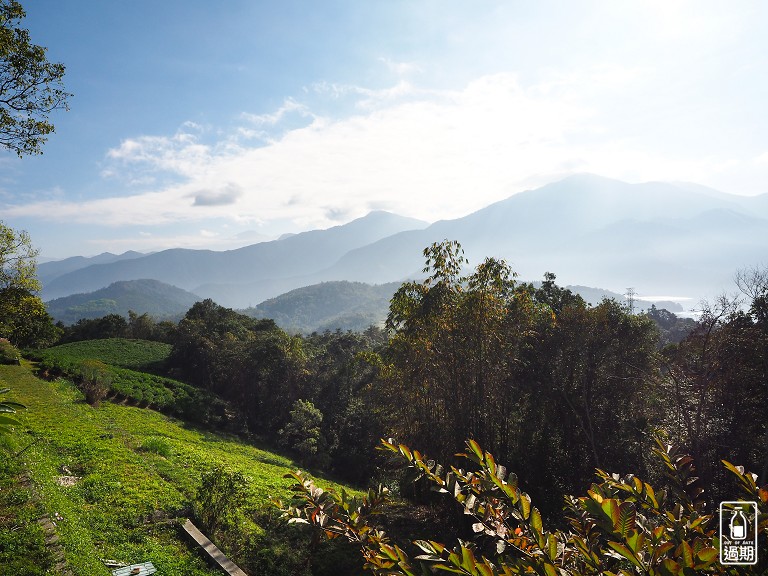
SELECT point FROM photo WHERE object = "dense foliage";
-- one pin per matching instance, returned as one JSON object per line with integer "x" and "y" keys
{"x": 137, "y": 326}
{"x": 30, "y": 86}
{"x": 24, "y": 320}
{"x": 622, "y": 526}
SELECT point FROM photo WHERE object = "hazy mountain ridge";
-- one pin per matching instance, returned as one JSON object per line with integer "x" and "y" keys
{"x": 141, "y": 296}
{"x": 190, "y": 269}
{"x": 679, "y": 239}
{"x": 47, "y": 271}
{"x": 549, "y": 229}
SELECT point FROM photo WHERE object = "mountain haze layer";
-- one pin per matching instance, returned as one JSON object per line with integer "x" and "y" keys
{"x": 664, "y": 239}
{"x": 210, "y": 274}
{"x": 659, "y": 238}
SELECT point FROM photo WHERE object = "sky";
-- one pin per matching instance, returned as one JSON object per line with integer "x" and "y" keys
{"x": 213, "y": 125}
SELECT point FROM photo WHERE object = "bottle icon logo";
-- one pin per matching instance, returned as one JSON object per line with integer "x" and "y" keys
{"x": 738, "y": 533}
{"x": 738, "y": 525}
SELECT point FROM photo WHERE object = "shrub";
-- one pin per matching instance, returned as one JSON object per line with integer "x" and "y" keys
{"x": 95, "y": 379}
{"x": 164, "y": 394}
{"x": 9, "y": 354}
{"x": 157, "y": 445}
{"x": 623, "y": 526}
{"x": 220, "y": 493}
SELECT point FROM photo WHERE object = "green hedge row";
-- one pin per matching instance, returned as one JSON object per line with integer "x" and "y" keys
{"x": 163, "y": 394}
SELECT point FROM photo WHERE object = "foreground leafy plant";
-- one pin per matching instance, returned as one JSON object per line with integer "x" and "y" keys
{"x": 8, "y": 407}
{"x": 623, "y": 526}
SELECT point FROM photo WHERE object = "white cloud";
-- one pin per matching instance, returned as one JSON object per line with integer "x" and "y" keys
{"x": 289, "y": 106}
{"x": 424, "y": 153}
{"x": 401, "y": 68}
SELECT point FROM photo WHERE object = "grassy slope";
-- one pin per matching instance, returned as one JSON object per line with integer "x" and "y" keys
{"x": 122, "y": 352}
{"x": 107, "y": 513}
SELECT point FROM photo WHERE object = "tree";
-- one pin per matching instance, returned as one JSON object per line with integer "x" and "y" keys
{"x": 30, "y": 86}
{"x": 717, "y": 389}
{"x": 18, "y": 260}
{"x": 535, "y": 375}
{"x": 24, "y": 319}
{"x": 303, "y": 435}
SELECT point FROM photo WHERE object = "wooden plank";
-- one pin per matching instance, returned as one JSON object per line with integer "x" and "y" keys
{"x": 212, "y": 550}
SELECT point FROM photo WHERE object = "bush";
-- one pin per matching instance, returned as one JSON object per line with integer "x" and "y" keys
{"x": 220, "y": 494}
{"x": 156, "y": 445}
{"x": 622, "y": 526}
{"x": 9, "y": 354}
{"x": 95, "y": 379}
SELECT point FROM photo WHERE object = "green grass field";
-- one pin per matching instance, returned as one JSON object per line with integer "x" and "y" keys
{"x": 137, "y": 473}
{"x": 121, "y": 352}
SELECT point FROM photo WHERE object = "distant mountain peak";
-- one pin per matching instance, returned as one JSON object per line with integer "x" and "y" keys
{"x": 664, "y": 238}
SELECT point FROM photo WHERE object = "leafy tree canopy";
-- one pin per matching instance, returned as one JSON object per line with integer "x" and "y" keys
{"x": 18, "y": 260}
{"x": 30, "y": 86}
{"x": 23, "y": 317}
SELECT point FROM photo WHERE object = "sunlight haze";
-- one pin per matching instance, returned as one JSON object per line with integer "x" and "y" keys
{"x": 205, "y": 125}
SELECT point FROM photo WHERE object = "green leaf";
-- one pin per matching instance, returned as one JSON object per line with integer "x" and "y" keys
{"x": 7, "y": 420}
{"x": 476, "y": 449}
{"x": 635, "y": 541}
{"x": 12, "y": 405}
{"x": 536, "y": 523}
{"x": 626, "y": 520}
{"x": 687, "y": 554}
{"x": 467, "y": 559}
{"x": 525, "y": 505}
{"x": 550, "y": 570}
{"x": 626, "y": 552}
{"x": 706, "y": 557}
{"x": 551, "y": 547}
{"x": 610, "y": 507}
{"x": 660, "y": 550}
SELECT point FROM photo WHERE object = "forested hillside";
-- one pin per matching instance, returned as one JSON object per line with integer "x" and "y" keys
{"x": 328, "y": 306}
{"x": 553, "y": 387}
{"x": 141, "y": 296}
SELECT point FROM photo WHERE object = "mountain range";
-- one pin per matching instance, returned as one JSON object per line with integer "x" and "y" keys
{"x": 337, "y": 305}
{"x": 659, "y": 238}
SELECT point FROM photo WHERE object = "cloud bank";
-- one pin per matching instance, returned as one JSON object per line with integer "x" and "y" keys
{"x": 430, "y": 154}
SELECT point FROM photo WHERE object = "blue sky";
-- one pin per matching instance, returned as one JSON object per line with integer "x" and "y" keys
{"x": 211, "y": 125}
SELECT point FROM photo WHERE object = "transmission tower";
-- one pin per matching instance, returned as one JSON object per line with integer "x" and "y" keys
{"x": 630, "y": 296}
